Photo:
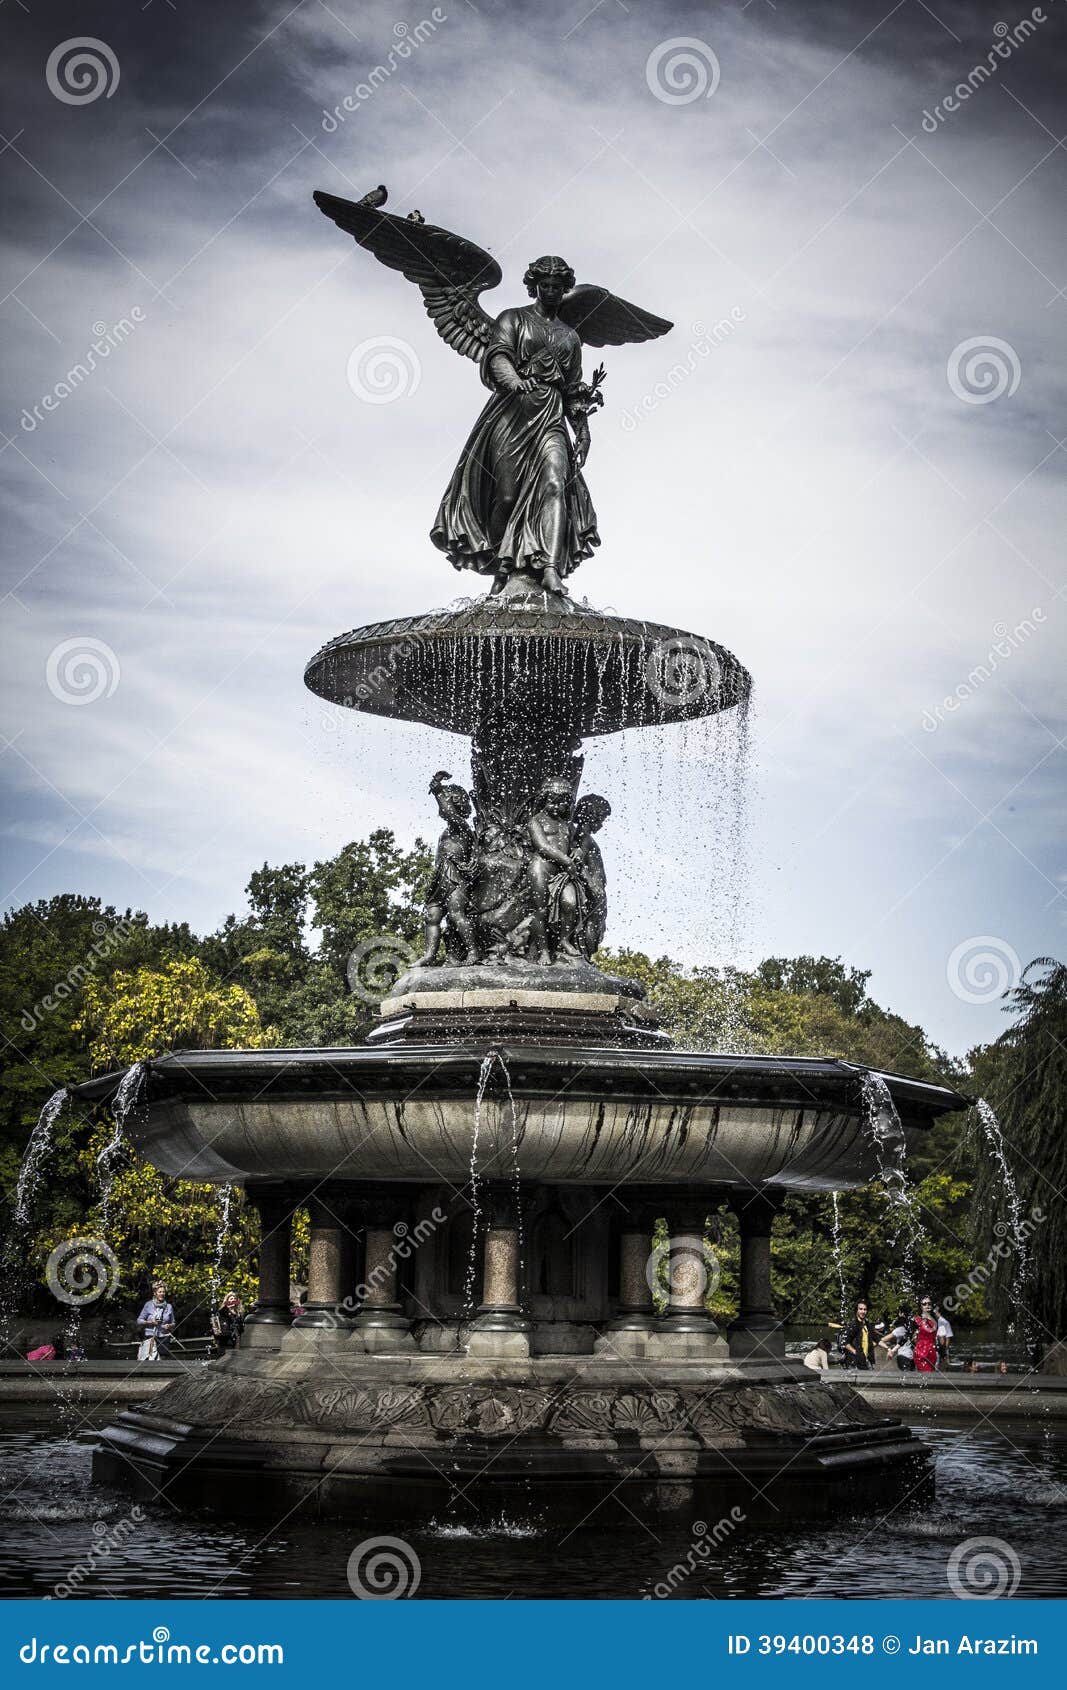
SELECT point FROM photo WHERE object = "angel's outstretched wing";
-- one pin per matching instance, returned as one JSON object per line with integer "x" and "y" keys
{"x": 600, "y": 318}
{"x": 450, "y": 272}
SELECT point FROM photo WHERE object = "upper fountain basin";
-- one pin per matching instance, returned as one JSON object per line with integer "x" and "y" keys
{"x": 584, "y": 1116}
{"x": 554, "y": 660}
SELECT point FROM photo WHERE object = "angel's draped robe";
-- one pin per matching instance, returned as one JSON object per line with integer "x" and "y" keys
{"x": 517, "y": 499}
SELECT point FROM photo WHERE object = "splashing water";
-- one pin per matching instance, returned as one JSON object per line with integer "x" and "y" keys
{"x": 36, "y": 1155}
{"x": 882, "y": 1123}
{"x": 125, "y": 1098}
{"x": 221, "y": 1235}
{"x": 476, "y": 1214}
{"x": 839, "y": 1262}
{"x": 1017, "y": 1227}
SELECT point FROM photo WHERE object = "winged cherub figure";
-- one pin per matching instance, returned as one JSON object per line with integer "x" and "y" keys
{"x": 517, "y": 507}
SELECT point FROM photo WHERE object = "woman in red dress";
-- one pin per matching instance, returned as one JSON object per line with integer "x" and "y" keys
{"x": 924, "y": 1341}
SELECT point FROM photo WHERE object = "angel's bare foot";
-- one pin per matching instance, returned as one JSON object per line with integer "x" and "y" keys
{"x": 500, "y": 581}
{"x": 551, "y": 582}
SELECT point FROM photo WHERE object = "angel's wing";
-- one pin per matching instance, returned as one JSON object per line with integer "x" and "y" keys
{"x": 600, "y": 318}
{"x": 450, "y": 272}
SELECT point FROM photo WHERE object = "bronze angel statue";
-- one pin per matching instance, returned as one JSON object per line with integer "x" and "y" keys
{"x": 517, "y": 507}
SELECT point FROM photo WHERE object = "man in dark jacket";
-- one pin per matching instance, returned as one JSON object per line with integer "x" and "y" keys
{"x": 857, "y": 1341}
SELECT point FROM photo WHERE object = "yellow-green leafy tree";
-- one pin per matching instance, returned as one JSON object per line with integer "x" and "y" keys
{"x": 157, "y": 1226}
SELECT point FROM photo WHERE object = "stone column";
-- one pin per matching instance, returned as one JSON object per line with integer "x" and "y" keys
{"x": 380, "y": 1322}
{"x": 635, "y": 1317}
{"x": 322, "y": 1321}
{"x": 756, "y": 1334}
{"x": 687, "y": 1329}
{"x": 272, "y": 1316}
{"x": 500, "y": 1327}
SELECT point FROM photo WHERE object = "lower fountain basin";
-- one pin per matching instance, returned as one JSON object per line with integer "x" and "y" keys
{"x": 572, "y": 1115}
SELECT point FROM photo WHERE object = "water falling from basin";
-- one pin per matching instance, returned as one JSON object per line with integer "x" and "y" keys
{"x": 1017, "y": 1227}
{"x": 33, "y": 1162}
{"x": 882, "y": 1123}
{"x": 124, "y": 1100}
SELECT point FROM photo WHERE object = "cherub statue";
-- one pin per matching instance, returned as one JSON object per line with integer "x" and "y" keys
{"x": 454, "y": 867}
{"x": 553, "y": 873}
{"x": 517, "y": 507}
{"x": 501, "y": 895}
{"x": 590, "y": 814}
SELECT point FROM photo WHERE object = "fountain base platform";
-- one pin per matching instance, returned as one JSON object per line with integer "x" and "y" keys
{"x": 420, "y": 1437}
{"x": 570, "y": 1002}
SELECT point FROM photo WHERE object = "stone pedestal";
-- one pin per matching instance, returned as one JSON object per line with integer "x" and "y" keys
{"x": 380, "y": 1324}
{"x": 500, "y": 1327}
{"x": 756, "y": 1334}
{"x": 272, "y": 1316}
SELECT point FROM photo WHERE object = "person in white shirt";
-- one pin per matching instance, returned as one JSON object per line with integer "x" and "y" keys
{"x": 897, "y": 1343}
{"x": 818, "y": 1359}
{"x": 945, "y": 1336}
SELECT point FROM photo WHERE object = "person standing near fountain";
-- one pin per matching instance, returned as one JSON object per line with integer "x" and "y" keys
{"x": 857, "y": 1340}
{"x": 155, "y": 1323}
{"x": 227, "y": 1324}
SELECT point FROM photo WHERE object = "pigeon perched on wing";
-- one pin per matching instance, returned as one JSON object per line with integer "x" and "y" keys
{"x": 376, "y": 197}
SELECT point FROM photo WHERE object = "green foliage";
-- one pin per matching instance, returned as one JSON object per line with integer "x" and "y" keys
{"x": 1023, "y": 1075}
{"x": 84, "y": 987}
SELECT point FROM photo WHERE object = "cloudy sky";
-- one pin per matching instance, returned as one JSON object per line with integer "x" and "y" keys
{"x": 853, "y": 478}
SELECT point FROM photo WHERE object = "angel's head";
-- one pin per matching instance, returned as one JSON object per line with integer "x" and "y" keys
{"x": 548, "y": 279}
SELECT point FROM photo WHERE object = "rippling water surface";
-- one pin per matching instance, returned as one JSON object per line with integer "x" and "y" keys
{"x": 1010, "y": 1486}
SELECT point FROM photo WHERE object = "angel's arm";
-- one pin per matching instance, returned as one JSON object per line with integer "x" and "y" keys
{"x": 502, "y": 355}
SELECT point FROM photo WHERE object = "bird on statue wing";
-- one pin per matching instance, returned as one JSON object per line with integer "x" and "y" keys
{"x": 376, "y": 197}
